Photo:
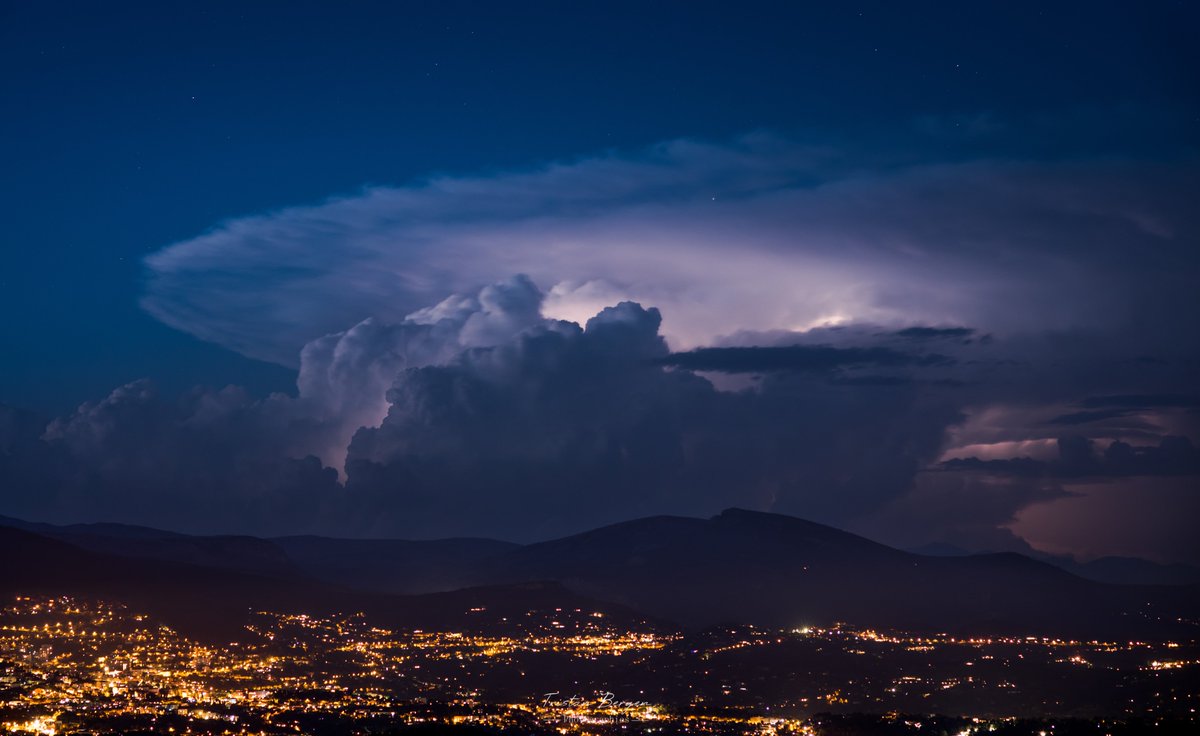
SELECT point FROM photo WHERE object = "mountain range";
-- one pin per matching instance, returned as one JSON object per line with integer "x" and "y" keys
{"x": 1111, "y": 569}
{"x": 740, "y": 567}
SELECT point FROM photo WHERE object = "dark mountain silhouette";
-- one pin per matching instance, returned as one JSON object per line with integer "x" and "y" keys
{"x": 392, "y": 565}
{"x": 939, "y": 549}
{"x": 1133, "y": 571}
{"x": 1117, "y": 570}
{"x": 768, "y": 569}
{"x": 215, "y": 603}
{"x": 737, "y": 567}
{"x": 382, "y": 565}
{"x": 231, "y": 552}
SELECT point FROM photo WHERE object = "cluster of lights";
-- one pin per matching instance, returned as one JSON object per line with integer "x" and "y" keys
{"x": 87, "y": 663}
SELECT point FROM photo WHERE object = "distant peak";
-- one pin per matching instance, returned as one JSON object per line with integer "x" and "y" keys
{"x": 735, "y": 512}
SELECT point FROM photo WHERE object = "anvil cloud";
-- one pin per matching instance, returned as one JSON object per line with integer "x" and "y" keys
{"x": 760, "y": 234}
{"x": 933, "y": 352}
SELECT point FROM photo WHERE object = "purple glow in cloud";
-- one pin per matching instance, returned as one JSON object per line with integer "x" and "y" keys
{"x": 758, "y": 234}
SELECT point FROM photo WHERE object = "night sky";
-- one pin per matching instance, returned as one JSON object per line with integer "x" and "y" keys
{"x": 929, "y": 272}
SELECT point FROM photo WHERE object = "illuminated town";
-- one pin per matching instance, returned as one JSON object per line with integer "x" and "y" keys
{"x": 71, "y": 665}
{"x": 600, "y": 368}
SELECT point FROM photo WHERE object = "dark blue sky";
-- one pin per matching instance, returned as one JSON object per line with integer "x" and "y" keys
{"x": 131, "y": 126}
{"x": 947, "y": 254}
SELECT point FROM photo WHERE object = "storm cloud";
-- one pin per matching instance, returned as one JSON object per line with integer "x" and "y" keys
{"x": 854, "y": 339}
{"x": 480, "y": 416}
{"x": 1079, "y": 457}
{"x": 819, "y": 358}
{"x": 760, "y": 233}
{"x": 477, "y": 416}
{"x": 210, "y": 460}
{"x": 565, "y": 427}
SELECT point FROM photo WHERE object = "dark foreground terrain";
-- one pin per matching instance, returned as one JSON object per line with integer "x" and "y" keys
{"x": 744, "y": 623}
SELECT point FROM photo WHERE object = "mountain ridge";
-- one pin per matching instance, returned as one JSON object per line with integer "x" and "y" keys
{"x": 737, "y": 567}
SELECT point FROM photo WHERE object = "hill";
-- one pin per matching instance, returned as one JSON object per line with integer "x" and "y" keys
{"x": 739, "y": 567}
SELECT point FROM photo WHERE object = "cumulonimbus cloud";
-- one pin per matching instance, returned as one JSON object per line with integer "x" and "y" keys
{"x": 479, "y": 416}
{"x": 888, "y": 320}
{"x": 761, "y": 233}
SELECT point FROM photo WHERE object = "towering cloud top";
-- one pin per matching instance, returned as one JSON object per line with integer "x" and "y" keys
{"x": 760, "y": 233}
